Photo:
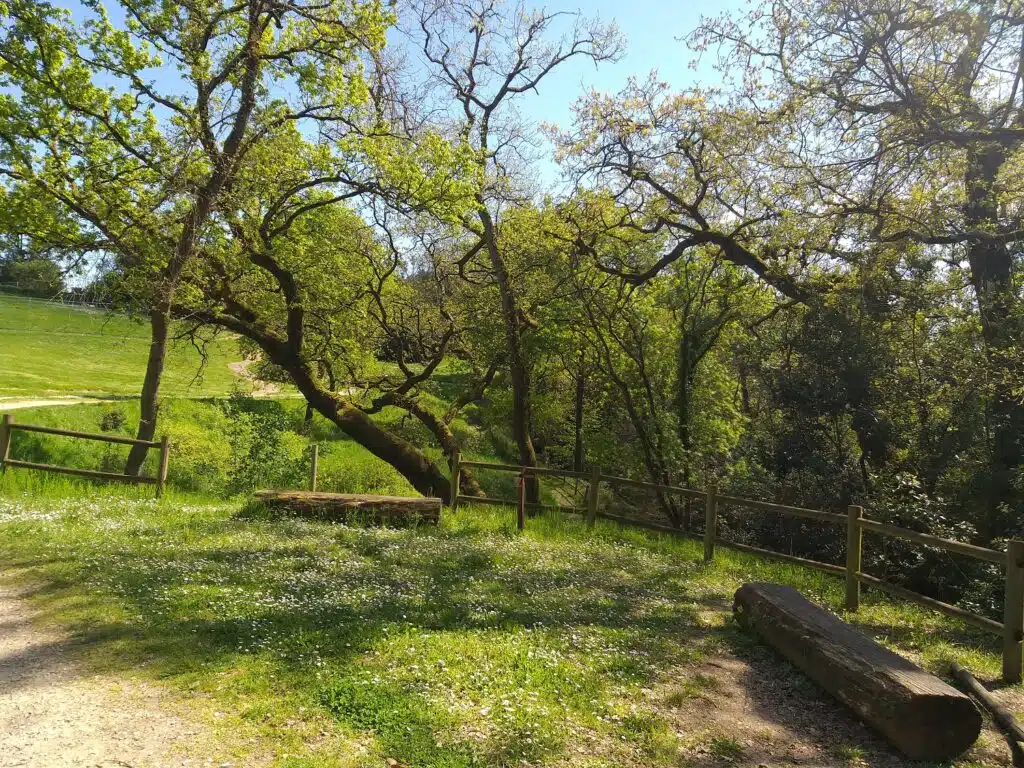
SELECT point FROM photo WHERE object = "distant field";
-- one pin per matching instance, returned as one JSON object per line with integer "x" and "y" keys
{"x": 51, "y": 349}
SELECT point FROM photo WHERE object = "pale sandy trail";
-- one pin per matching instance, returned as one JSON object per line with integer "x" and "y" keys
{"x": 53, "y": 713}
{"x": 16, "y": 404}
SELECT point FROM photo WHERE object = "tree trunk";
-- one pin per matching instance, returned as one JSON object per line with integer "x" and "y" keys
{"x": 423, "y": 474}
{"x": 922, "y": 716}
{"x": 687, "y": 375}
{"x": 519, "y": 372}
{"x": 992, "y": 277}
{"x": 581, "y": 387}
{"x": 159, "y": 323}
{"x": 340, "y": 507}
{"x": 445, "y": 437}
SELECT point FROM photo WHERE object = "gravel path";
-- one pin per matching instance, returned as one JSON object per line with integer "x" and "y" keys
{"x": 55, "y": 714}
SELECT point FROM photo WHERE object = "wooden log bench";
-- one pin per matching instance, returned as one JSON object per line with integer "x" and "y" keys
{"x": 918, "y": 713}
{"x": 339, "y": 507}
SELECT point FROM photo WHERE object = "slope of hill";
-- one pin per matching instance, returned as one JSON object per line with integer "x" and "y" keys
{"x": 49, "y": 349}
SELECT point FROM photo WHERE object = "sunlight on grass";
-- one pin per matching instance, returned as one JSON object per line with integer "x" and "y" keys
{"x": 98, "y": 353}
{"x": 461, "y": 645}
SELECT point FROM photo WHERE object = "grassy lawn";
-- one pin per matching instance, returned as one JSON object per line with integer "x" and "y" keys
{"x": 466, "y": 644}
{"x": 53, "y": 349}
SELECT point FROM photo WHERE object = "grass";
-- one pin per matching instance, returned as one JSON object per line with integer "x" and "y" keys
{"x": 698, "y": 686}
{"x": 213, "y": 450}
{"x": 849, "y": 753}
{"x": 725, "y": 748}
{"x": 51, "y": 349}
{"x": 465, "y": 644}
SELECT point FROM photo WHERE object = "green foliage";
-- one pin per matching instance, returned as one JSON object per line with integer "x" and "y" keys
{"x": 219, "y": 448}
{"x": 31, "y": 276}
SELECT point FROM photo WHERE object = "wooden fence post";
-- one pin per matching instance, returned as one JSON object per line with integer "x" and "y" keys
{"x": 1013, "y": 611}
{"x": 314, "y": 459}
{"x": 710, "y": 522}
{"x": 456, "y": 481}
{"x": 5, "y": 440}
{"x": 854, "y": 548}
{"x": 521, "y": 508}
{"x": 165, "y": 457}
{"x": 592, "y": 491}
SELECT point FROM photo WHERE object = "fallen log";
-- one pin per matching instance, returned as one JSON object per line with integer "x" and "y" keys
{"x": 1000, "y": 714}
{"x": 341, "y": 507}
{"x": 918, "y": 713}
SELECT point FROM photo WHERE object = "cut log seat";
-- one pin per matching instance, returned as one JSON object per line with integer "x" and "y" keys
{"x": 339, "y": 507}
{"x": 922, "y": 716}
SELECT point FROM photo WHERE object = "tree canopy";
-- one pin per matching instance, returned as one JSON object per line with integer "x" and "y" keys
{"x": 804, "y": 282}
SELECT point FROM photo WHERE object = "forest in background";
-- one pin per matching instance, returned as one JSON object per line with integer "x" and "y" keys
{"x": 803, "y": 284}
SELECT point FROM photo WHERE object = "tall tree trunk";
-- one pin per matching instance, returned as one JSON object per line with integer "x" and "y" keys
{"x": 581, "y": 391}
{"x": 519, "y": 372}
{"x": 159, "y": 324}
{"x": 992, "y": 277}
{"x": 686, "y": 375}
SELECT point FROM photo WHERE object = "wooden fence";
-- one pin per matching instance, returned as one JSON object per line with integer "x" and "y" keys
{"x": 1011, "y": 629}
{"x": 9, "y": 426}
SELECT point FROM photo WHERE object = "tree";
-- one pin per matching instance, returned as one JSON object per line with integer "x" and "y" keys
{"x": 681, "y": 167}
{"x": 906, "y": 124}
{"x": 28, "y": 271}
{"x": 425, "y": 317}
{"x": 298, "y": 273}
{"x": 142, "y": 162}
{"x": 485, "y": 60}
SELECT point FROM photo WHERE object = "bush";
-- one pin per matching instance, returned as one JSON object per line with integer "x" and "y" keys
{"x": 266, "y": 449}
{"x": 113, "y": 420}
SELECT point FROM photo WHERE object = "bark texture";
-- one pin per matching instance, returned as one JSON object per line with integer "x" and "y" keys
{"x": 149, "y": 405}
{"x": 424, "y": 475}
{"x": 992, "y": 276}
{"x": 919, "y": 714}
{"x": 519, "y": 371}
{"x": 339, "y": 507}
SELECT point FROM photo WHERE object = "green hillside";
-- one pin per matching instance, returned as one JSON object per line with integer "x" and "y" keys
{"x": 49, "y": 349}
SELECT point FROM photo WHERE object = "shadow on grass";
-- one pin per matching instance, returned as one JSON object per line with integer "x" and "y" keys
{"x": 310, "y": 598}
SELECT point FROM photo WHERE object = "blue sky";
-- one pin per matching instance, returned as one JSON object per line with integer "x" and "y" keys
{"x": 652, "y": 29}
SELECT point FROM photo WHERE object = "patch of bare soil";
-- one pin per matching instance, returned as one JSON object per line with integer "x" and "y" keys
{"x": 54, "y": 714}
{"x": 241, "y": 368}
{"x": 763, "y": 712}
{"x": 14, "y": 404}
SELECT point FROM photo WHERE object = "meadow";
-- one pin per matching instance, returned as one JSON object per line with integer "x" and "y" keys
{"x": 49, "y": 349}
{"x": 311, "y": 645}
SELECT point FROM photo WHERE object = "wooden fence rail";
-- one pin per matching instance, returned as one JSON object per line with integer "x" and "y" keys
{"x": 1011, "y": 629}
{"x": 9, "y": 426}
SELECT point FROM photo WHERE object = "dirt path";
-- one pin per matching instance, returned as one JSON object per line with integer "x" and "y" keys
{"x": 54, "y": 714}
{"x": 243, "y": 370}
{"x": 16, "y": 404}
